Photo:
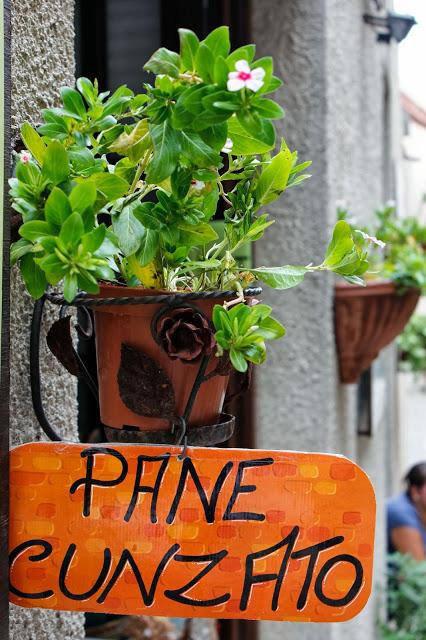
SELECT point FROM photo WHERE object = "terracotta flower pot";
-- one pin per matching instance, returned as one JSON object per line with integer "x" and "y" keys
{"x": 124, "y": 340}
{"x": 366, "y": 320}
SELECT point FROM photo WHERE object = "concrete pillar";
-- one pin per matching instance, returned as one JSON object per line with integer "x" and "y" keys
{"x": 42, "y": 62}
{"x": 338, "y": 95}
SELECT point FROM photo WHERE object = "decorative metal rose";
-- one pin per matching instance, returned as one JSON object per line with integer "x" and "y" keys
{"x": 186, "y": 334}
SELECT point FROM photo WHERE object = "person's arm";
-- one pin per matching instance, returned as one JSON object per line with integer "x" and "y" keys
{"x": 408, "y": 540}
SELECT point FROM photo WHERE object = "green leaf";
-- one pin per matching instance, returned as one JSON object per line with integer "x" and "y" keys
{"x": 53, "y": 116}
{"x": 35, "y": 229}
{"x": 242, "y": 53}
{"x": 202, "y": 233}
{"x": 180, "y": 182}
{"x": 189, "y": 44}
{"x": 73, "y": 102}
{"x": 218, "y": 42}
{"x": 220, "y": 73}
{"x": 56, "y": 166}
{"x": 221, "y": 320}
{"x": 245, "y": 143}
{"x": 164, "y": 61}
{"x": 53, "y": 268}
{"x": 274, "y": 84}
{"x": 33, "y": 276}
{"x": 28, "y": 173}
{"x": 72, "y": 230}
{"x": 267, "y": 64}
{"x": 257, "y": 228}
{"x": 116, "y": 104}
{"x": 274, "y": 177}
{"x": 85, "y": 86}
{"x": 268, "y": 108}
{"x": 70, "y": 287}
{"x": 197, "y": 151}
{"x": 271, "y": 329}
{"x": 83, "y": 196}
{"x": 87, "y": 282}
{"x": 204, "y": 63}
{"x": 19, "y": 249}
{"x": 221, "y": 101}
{"x": 149, "y": 247}
{"x": 255, "y": 352}
{"x": 109, "y": 185}
{"x": 33, "y": 142}
{"x": 166, "y": 152}
{"x": 83, "y": 162}
{"x": 284, "y": 277}
{"x": 129, "y": 231}
{"x": 238, "y": 361}
{"x": 133, "y": 144}
{"x": 57, "y": 208}
{"x": 144, "y": 213}
{"x": 93, "y": 240}
{"x": 340, "y": 245}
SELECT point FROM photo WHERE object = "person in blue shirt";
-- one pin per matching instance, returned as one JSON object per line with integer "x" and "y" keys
{"x": 406, "y": 516}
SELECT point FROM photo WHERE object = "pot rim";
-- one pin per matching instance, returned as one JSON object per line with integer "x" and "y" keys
{"x": 110, "y": 290}
{"x": 371, "y": 288}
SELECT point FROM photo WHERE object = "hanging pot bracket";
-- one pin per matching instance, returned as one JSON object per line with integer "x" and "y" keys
{"x": 60, "y": 343}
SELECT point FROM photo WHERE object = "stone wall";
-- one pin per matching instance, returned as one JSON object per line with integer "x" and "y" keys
{"x": 42, "y": 61}
{"x": 339, "y": 96}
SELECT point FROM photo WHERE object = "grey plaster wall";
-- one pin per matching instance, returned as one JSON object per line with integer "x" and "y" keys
{"x": 42, "y": 61}
{"x": 340, "y": 99}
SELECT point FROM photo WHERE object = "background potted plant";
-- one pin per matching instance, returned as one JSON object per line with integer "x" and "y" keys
{"x": 368, "y": 318}
{"x": 118, "y": 194}
{"x": 406, "y": 599}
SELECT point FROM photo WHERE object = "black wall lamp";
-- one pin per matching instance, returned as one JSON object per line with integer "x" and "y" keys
{"x": 393, "y": 25}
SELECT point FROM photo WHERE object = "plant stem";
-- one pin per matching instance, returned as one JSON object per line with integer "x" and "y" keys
{"x": 140, "y": 169}
{"x": 223, "y": 194}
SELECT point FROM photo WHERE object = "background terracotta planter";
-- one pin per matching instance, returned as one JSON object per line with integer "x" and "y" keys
{"x": 131, "y": 325}
{"x": 366, "y": 320}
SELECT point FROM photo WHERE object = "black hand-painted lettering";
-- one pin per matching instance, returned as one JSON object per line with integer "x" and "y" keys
{"x": 66, "y": 563}
{"x": 178, "y": 594}
{"x": 353, "y": 591}
{"x": 36, "y": 557}
{"x": 88, "y": 481}
{"x": 244, "y": 488}
{"x": 208, "y": 506}
{"x": 313, "y": 552}
{"x": 250, "y": 579}
{"x": 138, "y": 488}
{"x": 127, "y": 558}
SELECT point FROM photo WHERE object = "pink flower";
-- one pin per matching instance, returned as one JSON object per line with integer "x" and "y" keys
{"x": 245, "y": 77}
{"x": 25, "y": 157}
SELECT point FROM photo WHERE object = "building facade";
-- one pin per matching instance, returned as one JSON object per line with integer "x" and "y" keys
{"x": 341, "y": 98}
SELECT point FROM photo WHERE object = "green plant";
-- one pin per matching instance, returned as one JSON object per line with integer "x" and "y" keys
{"x": 125, "y": 187}
{"x": 406, "y": 599}
{"x": 412, "y": 345}
{"x": 396, "y": 247}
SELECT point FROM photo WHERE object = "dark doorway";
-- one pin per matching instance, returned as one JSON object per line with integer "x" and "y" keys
{"x": 113, "y": 41}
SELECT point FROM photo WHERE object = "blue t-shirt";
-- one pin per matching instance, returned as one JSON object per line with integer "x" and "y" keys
{"x": 401, "y": 512}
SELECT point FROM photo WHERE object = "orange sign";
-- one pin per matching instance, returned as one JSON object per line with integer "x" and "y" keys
{"x": 225, "y": 533}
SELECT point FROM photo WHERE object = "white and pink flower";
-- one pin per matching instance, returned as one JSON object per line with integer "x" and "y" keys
{"x": 245, "y": 77}
{"x": 25, "y": 157}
